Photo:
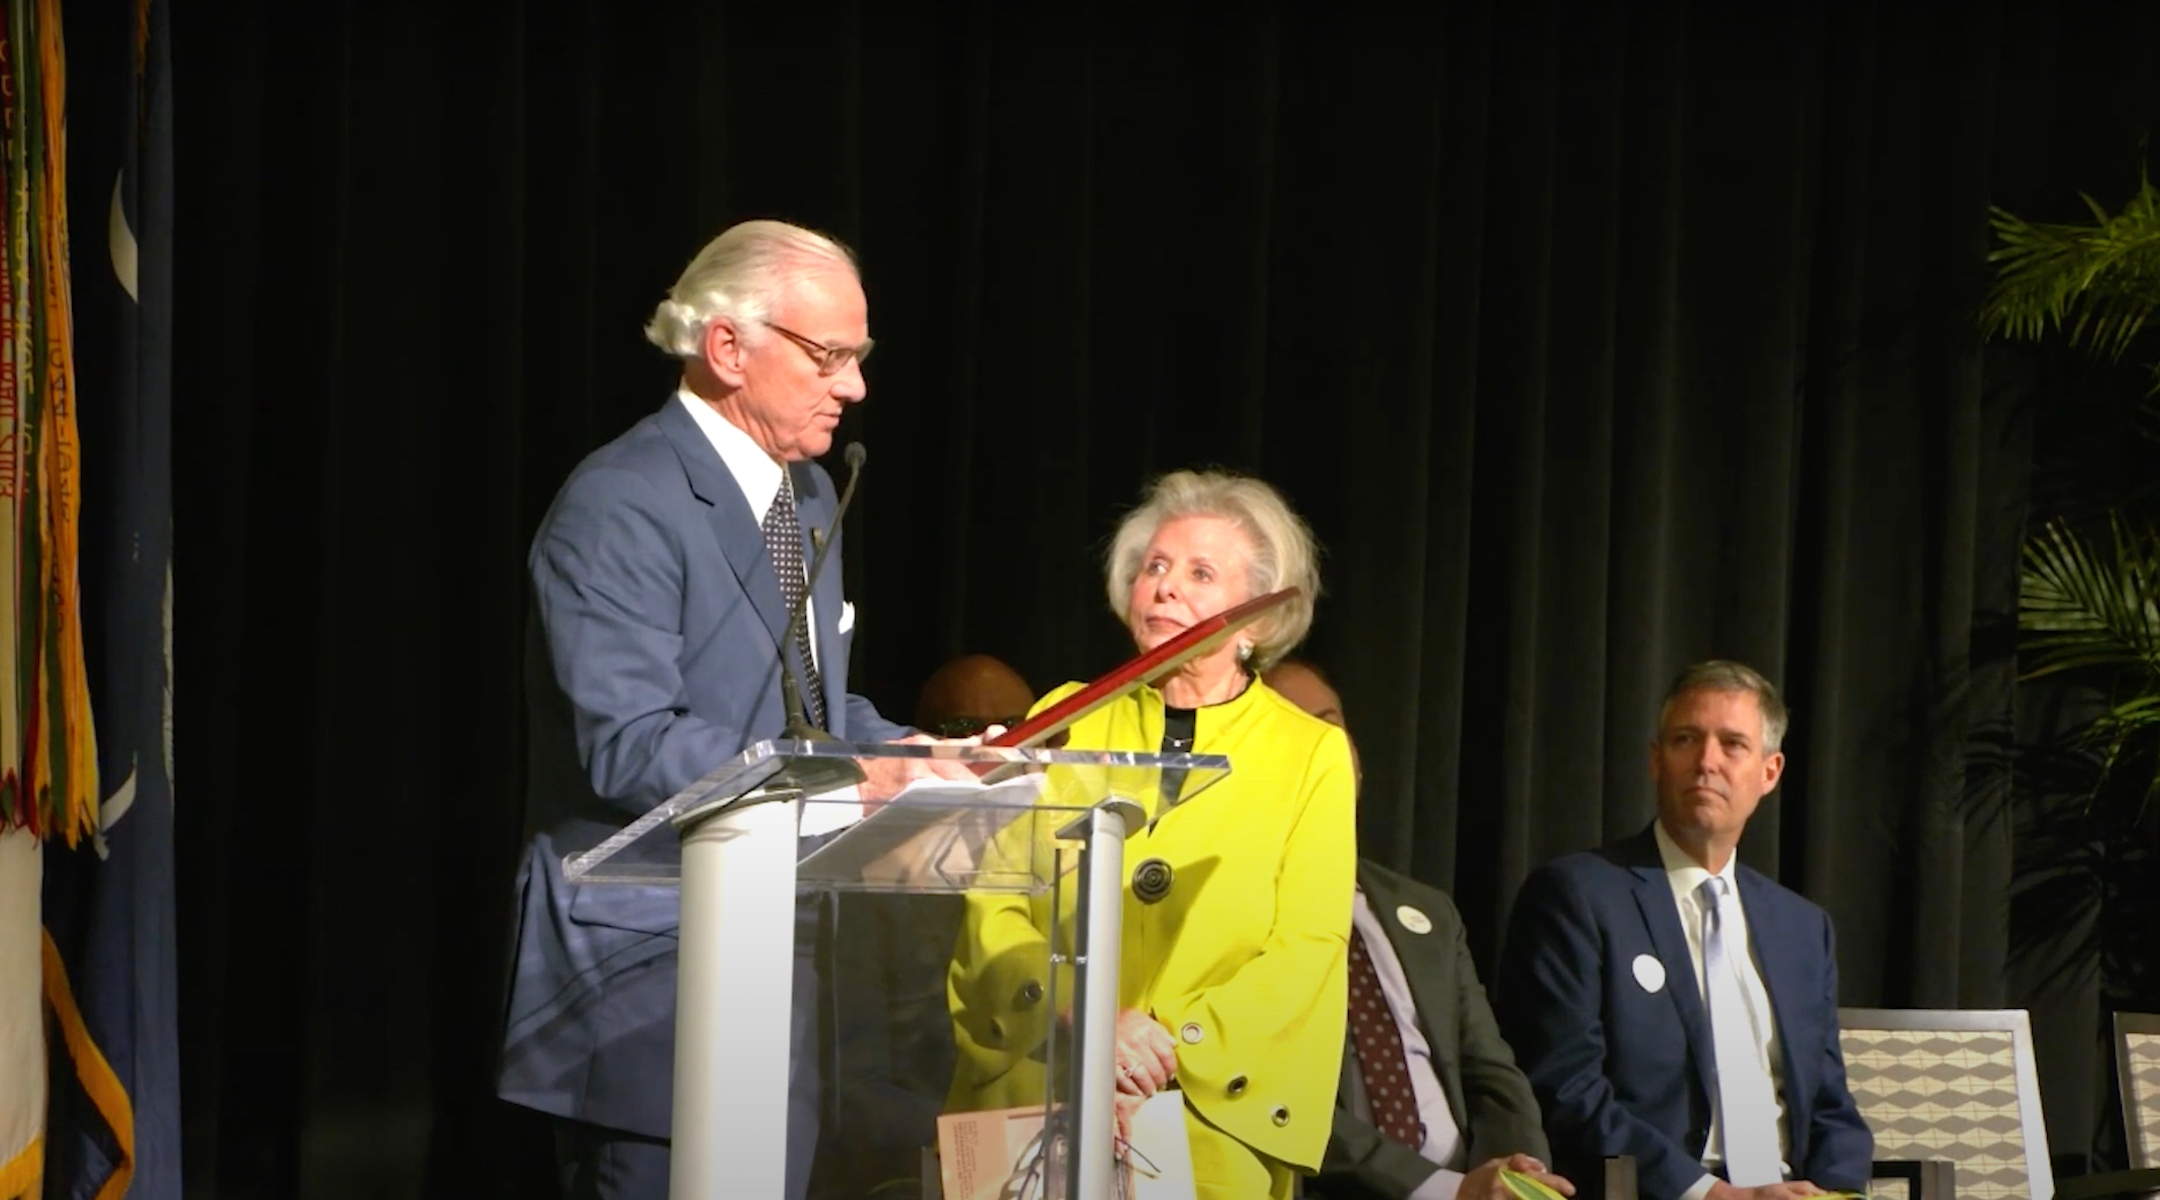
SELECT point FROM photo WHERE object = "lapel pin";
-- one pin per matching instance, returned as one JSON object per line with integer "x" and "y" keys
{"x": 1151, "y": 881}
{"x": 1413, "y": 920}
{"x": 817, "y": 538}
{"x": 1650, "y": 973}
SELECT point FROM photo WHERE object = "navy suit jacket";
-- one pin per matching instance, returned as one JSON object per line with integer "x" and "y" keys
{"x": 653, "y": 660}
{"x": 1621, "y": 1069}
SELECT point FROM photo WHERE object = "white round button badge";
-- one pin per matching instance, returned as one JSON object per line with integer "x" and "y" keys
{"x": 1650, "y": 973}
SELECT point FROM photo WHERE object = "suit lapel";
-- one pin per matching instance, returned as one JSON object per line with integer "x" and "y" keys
{"x": 727, "y": 515}
{"x": 1426, "y": 962}
{"x": 1653, "y": 895}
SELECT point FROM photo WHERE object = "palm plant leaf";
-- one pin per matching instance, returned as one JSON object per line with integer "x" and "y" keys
{"x": 2083, "y": 611}
{"x": 2124, "y": 735}
{"x": 2089, "y": 795}
{"x": 2100, "y": 283}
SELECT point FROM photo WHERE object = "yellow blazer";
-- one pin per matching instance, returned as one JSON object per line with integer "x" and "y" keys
{"x": 1244, "y": 961}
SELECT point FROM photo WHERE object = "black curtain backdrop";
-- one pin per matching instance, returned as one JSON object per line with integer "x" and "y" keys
{"x": 1592, "y": 340}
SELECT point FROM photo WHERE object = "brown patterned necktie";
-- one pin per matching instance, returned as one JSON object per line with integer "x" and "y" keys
{"x": 783, "y": 541}
{"x": 1380, "y": 1051}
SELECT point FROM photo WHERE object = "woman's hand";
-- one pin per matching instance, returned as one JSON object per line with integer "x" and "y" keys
{"x": 1146, "y": 1057}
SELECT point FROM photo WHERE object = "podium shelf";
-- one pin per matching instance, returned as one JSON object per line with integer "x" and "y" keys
{"x": 911, "y": 818}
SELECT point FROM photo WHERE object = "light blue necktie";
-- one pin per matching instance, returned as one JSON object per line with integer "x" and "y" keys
{"x": 1747, "y": 1107}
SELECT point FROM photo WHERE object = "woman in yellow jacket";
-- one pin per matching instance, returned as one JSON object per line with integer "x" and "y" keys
{"x": 1232, "y": 977}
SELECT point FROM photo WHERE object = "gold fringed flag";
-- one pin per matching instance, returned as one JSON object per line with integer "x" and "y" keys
{"x": 48, "y": 758}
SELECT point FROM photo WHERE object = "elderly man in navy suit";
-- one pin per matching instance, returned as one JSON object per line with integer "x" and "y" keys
{"x": 1674, "y": 1006}
{"x": 663, "y": 576}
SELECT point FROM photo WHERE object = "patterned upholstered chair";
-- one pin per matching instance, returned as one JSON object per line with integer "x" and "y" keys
{"x": 1960, "y": 1086}
{"x": 2137, "y": 1064}
{"x": 1952, "y": 1086}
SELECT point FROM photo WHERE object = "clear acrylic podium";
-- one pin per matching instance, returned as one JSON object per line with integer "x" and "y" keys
{"x": 970, "y": 964}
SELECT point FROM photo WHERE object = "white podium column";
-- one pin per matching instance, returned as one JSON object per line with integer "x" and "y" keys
{"x": 1094, "y": 1148}
{"x": 734, "y": 1004}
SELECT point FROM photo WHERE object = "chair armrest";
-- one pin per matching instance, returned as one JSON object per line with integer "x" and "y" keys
{"x": 2110, "y": 1183}
{"x": 1927, "y": 1178}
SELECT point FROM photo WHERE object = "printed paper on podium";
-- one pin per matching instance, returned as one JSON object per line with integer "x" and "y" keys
{"x": 828, "y": 811}
{"x": 936, "y": 835}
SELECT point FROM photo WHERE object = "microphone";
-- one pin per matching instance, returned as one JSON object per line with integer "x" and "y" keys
{"x": 813, "y": 775}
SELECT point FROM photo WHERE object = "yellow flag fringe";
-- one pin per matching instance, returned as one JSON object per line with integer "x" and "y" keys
{"x": 71, "y": 780}
{"x": 48, "y": 751}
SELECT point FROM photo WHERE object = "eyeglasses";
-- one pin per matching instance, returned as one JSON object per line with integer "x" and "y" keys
{"x": 830, "y": 360}
{"x": 964, "y": 727}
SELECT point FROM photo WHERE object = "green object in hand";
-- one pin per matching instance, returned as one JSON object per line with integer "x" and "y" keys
{"x": 1526, "y": 1187}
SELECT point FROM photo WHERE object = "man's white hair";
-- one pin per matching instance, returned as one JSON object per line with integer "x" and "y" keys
{"x": 739, "y": 275}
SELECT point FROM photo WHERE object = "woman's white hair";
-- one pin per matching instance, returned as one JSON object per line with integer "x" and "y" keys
{"x": 739, "y": 275}
{"x": 1283, "y": 552}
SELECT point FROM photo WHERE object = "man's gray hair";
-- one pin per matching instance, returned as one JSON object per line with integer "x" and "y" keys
{"x": 1284, "y": 553}
{"x": 739, "y": 275}
{"x": 1724, "y": 675}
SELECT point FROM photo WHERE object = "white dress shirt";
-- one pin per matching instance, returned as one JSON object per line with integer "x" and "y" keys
{"x": 755, "y": 473}
{"x": 1687, "y": 876}
{"x": 1443, "y": 1138}
{"x": 760, "y": 478}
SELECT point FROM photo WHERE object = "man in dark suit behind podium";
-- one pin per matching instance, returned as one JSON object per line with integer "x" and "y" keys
{"x": 663, "y": 575}
{"x": 1671, "y": 1005}
{"x": 1464, "y": 1101}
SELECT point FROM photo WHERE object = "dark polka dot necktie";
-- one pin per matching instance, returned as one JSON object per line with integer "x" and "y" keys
{"x": 783, "y": 541}
{"x": 1380, "y": 1052}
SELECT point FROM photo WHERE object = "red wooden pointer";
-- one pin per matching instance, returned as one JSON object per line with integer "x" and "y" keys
{"x": 1201, "y": 637}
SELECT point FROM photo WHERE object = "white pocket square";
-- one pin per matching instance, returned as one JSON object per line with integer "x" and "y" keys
{"x": 847, "y": 616}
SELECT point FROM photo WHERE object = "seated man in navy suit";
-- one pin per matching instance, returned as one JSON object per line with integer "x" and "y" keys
{"x": 1674, "y": 1006}
{"x": 1443, "y": 1093}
